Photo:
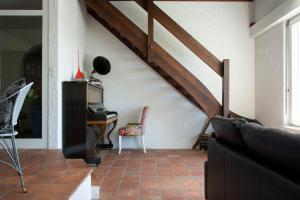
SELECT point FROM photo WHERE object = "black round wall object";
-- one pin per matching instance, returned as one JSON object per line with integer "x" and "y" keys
{"x": 101, "y": 65}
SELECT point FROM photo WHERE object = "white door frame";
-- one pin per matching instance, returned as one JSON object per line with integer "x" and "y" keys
{"x": 288, "y": 74}
{"x": 41, "y": 143}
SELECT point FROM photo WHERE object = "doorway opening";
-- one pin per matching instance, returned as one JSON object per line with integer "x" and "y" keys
{"x": 23, "y": 54}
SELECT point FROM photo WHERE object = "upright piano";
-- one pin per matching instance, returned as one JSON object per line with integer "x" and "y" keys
{"x": 87, "y": 125}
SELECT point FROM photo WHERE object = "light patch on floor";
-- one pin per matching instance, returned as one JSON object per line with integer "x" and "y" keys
{"x": 157, "y": 175}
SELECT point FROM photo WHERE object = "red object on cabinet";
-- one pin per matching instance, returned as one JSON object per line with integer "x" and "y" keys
{"x": 79, "y": 74}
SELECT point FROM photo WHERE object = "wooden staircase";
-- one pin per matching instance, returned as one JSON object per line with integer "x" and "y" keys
{"x": 160, "y": 60}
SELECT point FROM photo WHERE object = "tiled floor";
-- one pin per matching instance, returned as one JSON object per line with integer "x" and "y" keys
{"x": 160, "y": 174}
{"x": 47, "y": 176}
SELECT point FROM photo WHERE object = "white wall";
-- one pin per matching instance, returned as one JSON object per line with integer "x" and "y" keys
{"x": 173, "y": 121}
{"x": 71, "y": 37}
{"x": 270, "y": 53}
{"x": 264, "y": 7}
{"x": 84, "y": 190}
{"x": 215, "y": 25}
{"x": 270, "y": 77}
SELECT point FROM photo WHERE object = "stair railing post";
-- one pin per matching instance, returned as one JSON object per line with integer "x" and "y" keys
{"x": 225, "y": 89}
{"x": 150, "y": 28}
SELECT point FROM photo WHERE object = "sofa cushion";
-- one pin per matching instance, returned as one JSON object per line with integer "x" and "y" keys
{"x": 227, "y": 130}
{"x": 278, "y": 148}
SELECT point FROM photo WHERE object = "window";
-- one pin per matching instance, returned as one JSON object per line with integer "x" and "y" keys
{"x": 294, "y": 72}
{"x": 24, "y": 54}
{"x": 21, "y": 57}
{"x": 21, "y": 5}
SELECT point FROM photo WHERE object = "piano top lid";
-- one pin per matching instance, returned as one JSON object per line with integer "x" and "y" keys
{"x": 95, "y": 85}
{"x": 84, "y": 82}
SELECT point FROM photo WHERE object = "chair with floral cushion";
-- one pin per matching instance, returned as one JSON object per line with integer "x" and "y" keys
{"x": 10, "y": 106}
{"x": 134, "y": 129}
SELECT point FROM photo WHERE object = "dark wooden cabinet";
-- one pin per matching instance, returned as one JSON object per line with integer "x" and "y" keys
{"x": 74, "y": 119}
{"x": 78, "y": 140}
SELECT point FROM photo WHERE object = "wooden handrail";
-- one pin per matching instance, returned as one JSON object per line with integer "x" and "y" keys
{"x": 132, "y": 33}
{"x": 221, "y": 68}
{"x": 199, "y": 50}
{"x": 192, "y": 84}
{"x": 197, "y": 0}
{"x": 225, "y": 89}
{"x": 150, "y": 28}
{"x": 143, "y": 4}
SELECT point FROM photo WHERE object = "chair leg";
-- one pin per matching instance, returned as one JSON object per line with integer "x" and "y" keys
{"x": 120, "y": 144}
{"x": 17, "y": 161}
{"x": 143, "y": 142}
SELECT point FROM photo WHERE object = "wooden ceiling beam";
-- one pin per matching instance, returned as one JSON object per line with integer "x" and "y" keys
{"x": 198, "y": 0}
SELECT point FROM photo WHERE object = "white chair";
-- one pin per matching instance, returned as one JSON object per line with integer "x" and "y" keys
{"x": 134, "y": 129}
{"x": 10, "y": 108}
{"x": 14, "y": 87}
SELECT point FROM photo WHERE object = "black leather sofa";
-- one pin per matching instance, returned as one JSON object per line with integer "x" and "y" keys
{"x": 249, "y": 161}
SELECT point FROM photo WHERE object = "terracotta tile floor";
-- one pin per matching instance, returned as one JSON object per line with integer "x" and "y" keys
{"x": 160, "y": 174}
{"x": 47, "y": 176}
